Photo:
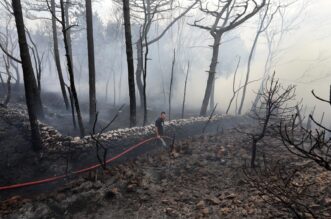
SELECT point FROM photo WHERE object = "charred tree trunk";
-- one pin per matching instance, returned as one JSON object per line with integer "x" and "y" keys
{"x": 248, "y": 73}
{"x": 129, "y": 53}
{"x": 144, "y": 82}
{"x": 68, "y": 31}
{"x": 146, "y": 26}
{"x": 139, "y": 72}
{"x": 212, "y": 97}
{"x": 71, "y": 71}
{"x": 91, "y": 61}
{"x": 260, "y": 30}
{"x": 185, "y": 87}
{"x": 17, "y": 71}
{"x": 171, "y": 82}
{"x": 211, "y": 74}
{"x": 72, "y": 109}
{"x": 31, "y": 91}
{"x": 57, "y": 57}
{"x": 114, "y": 89}
{"x": 7, "y": 99}
{"x": 8, "y": 95}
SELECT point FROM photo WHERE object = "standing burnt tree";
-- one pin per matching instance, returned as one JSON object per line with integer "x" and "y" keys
{"x": 67, "y": 46}
{"x": 57, "y": 57}
{"x": 276, "y": 105}
{"x": 7, "y": 45}
{"x": 275, "y": 35}
{"x": 35, "y": 11}
{"x": 129, "y": 54}
{"x": 31, "y": 91}
{"x": 149, "y": 12}
{"x": 266, "y": 18}
{"x": 227, "y": 16}
{"x": 91, "y": 61}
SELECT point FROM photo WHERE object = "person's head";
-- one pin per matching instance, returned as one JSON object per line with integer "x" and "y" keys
{"x": 163, "y": 115}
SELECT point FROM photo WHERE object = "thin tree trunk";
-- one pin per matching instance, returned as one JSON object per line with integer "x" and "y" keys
{"x": 212, "y": 97}
{"x": 18, "y": 76}
{"x": 31, "y": 91}
{"x": 91, "y": 61}
{"x": 171, "y": 82}
{"x": 8, "y": 96}
{"x": 211, "y": 75}
{"x": 185, "y": 87}
{"x": 248, "y": 72}
{"x": 145, "y": 30}
{"x": 144, "y": 82}
{"x": 57, "y": 57}
{"x": 139, "y": 72}
{"x": 68, "y": 31}
{"x": 129, "y": 53}
{"x": 233, "y": 86}
{"x": 107, "y": 87}
{"x": 37, "y": 60}
{"x": 71, "y": 72}
{"x": 114, "y": 87}
{"x": 72, "y": 109}
{"x": 2, "y": 82}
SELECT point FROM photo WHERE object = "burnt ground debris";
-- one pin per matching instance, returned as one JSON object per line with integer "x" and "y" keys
{"x": 202, "y": 178}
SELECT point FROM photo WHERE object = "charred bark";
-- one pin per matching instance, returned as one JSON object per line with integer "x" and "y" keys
{"x": 91, "y": 61}
{"x": 31, "y": 91}
{"x": 211, "y": 74}
{"x": 57, "y": 57}
{"x": 185, "y": 87}
{"x": 70, "y": 70}
{"x": 171, "y": 82}
{"x": 129, "y": 53}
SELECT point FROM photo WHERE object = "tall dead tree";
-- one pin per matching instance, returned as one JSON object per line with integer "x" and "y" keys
{"x": 65, "y": 28}
{"x": 35, "y": 95}
{"x": 263, "y": 25}
{"x": 5, "y": 41}
{"x": 91, "y": 61}
{"x": 155, "y": 11}
{"x": 57, "y": 57}
{"x": 67, "y": 5}
{"x": 129, "y": 54}
{"x": 227, "y": 16}
{"x": 38, "y": 60}
{"x": 274, "y": 38}
{"x": 185, "y": 88}
{"x": 147, "y": 23}
{"x": 31, "y": 91}
{"x": 6, "y": 61}
{"x": 68, "y": 55}
{"x": 171, "y": 82}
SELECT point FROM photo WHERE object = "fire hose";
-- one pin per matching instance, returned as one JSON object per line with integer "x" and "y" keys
{"x": 80, "y": 171}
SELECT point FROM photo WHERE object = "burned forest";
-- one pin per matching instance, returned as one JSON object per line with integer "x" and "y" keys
{"x": 165, "y": 109}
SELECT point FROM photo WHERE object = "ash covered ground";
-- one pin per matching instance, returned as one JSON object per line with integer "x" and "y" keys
{"x": 205, "y": 176}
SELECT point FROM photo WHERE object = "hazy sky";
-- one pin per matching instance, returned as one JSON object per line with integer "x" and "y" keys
{"x": 307, "y": 50}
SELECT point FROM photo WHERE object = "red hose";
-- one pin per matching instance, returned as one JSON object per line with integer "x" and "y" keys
{"x": 55, "y": 178}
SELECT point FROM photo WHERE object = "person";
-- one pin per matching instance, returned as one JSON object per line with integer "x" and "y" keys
{"x": 159, "y": 123}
